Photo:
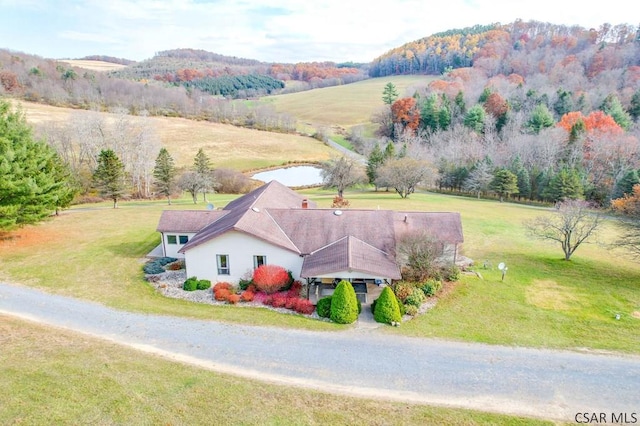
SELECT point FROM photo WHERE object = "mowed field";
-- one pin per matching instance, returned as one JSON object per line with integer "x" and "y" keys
{"x": 93, "y": 65}
{"x": 342, "y": 107}
{"x": 227, "y": 146}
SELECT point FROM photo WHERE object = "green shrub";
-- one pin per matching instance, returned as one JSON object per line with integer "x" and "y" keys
{"x": 387, "y": 310}
{"x": 431, "y": 287}
{"x": 203, "y": 284}
{"x": 411, "y": 310}
{"x": 416, "y": 298}
{"x": 324, "y": 307}
{"x": 344, "y": 304}
{"x": 451, "y": 273}
{"x": 243, "y": 284}
{"x": 373, "y": 306}
{"x": 359, "y": 307}
{"x": 401, "y": 308}
{"x": 190, "y": 284}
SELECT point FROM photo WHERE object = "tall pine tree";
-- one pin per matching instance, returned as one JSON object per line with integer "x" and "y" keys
{"x": 202, "y": 166}
{"x": 33, "y": 180}
{"x": 165, "y": 173}
{"x": 109, "y": 176}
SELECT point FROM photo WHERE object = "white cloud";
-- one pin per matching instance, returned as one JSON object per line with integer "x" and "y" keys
{"x": 278, "y": 30}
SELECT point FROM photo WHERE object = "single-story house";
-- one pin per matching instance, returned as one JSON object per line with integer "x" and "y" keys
{"x": 274, "y": 224}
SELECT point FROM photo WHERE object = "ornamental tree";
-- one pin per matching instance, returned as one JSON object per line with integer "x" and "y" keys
{"x": 344, "y": 304}
{"x": 571, "y": 224}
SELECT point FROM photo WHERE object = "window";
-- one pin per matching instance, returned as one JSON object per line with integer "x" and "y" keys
{"x": 259, "y": 261}
{"x": 184, "y": 239}
{"x": 171, "y": 239}
{"x": 223, "y": 264}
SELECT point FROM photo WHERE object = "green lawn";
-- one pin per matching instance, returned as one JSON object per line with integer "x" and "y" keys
{"x": 52, "y": 376}
{"x": 95, "y": 252}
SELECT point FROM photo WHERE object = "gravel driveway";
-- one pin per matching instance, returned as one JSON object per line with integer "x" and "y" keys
{"x": 362, "y": 362}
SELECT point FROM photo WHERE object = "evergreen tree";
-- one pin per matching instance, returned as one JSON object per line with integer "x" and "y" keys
{"x": 429, "y": 114}
{"x": 389, "y": 151}
{"x": 524, "y": 180}
{"x": 634, "y": 108}
{"x": 566, "y": 184}
{"x": 375, "y": 160}
{"x": 109, "y": 176}
{"x": 564, "y": 103}
{"x": 202, "y": 166}
{"x": 484, "y": 95}
{"x": 164, "y": 172}
{"x": 612, "y": 106}
{"x": 344, "y": 304}
{"x": 33, "y": 180}
{"x": 389, "y": 94}
{"x": 625, "y": 185}
{"x": 504, "y": 183}
{"x": 541, "y": 118}
{"x": 474, "y": 118}
{"x": 460, "y": 103}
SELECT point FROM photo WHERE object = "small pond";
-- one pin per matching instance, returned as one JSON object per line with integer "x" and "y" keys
{"x": 292, "y": 176}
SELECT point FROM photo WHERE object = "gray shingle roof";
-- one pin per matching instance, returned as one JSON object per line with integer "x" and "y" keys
{"x": 350, "y": 254}
{"x": 187, "y": 220}
{"x": 355, "y": 239}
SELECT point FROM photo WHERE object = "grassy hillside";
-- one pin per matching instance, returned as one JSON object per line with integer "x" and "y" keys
{"x": 228, "y": 146}
{"x": 342, "y": 107}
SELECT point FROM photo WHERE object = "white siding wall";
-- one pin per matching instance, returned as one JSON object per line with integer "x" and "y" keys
{"x": 201, "y": 260}
{"x": 171, "y": 250}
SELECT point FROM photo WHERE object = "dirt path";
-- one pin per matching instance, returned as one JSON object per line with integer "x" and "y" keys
{"x": 361, "y": 362}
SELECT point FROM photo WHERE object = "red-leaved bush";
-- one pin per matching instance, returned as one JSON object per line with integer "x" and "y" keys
{"x": 305, "y": 307}
{"x": 222, "y": 285}
{"x": 270, "y": 278}
{"x": 221, "y": 294}
{"x": 279, "y": 300}
{"x": 233, "y": 298}
{"x": 247, "y": 296}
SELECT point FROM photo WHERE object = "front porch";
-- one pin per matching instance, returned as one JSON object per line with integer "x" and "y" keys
{"x": 367, "y": 290}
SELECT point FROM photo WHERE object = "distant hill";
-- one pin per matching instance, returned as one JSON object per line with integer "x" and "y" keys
{"x": 110, "y": 59}
{"x": 520, "y": 47}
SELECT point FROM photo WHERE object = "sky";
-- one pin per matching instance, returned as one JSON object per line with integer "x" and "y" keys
{"x": 286, "y": 31}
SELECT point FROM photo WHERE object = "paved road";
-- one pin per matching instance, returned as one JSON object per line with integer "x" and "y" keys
{"x": 363, "y": 362}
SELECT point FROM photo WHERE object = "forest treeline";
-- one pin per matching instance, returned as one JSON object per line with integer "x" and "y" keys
{"x": 520, "y": 47}
{"x": 555, "y": 107}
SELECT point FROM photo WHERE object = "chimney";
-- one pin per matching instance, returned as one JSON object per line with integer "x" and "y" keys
{"x": 305, "y": 203}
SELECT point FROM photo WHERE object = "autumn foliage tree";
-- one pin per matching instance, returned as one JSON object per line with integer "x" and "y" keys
{"x": 270, "y": 278}
{"x": 405, "y": 113}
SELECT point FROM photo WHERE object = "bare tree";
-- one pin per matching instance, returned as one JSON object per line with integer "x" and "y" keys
{"x": 573, "y": 222}
{"x": 342, "y": 173}
{"x": 403, "y": 174}
{"x": 192, "y": 182}
{"x": 416, "y": 254}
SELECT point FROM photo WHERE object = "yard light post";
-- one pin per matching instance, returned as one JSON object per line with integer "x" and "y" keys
{"x": 503, "y": 268}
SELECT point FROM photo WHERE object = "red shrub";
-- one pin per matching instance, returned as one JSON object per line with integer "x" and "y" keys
{"x": 291, "y": 302}
{"x": 247, "y": 296}
{"x": 221, "y": 294}
{"x": 279, "y": 300}
{"x": 295, "y": 289}
{"x": 270, "y": 278}
{"x": 222, "y": 285}
{"x": 305, "y": 307}
{"x": 233, "y": 298}
{"x": 268, "y": 300}
{"x": 252, "y": 288}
